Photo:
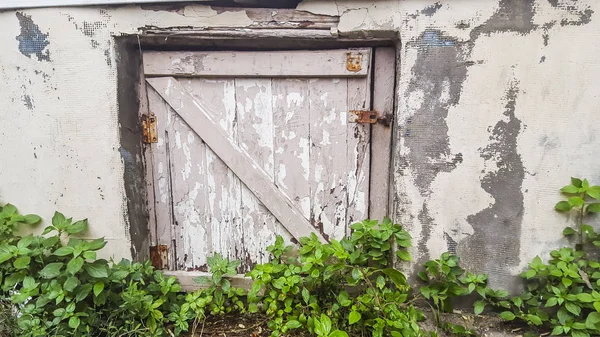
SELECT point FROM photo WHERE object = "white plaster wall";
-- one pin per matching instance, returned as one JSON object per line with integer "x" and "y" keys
{"x": 63, "y": 151}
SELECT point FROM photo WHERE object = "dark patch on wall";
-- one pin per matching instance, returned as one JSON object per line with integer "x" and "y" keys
{"x": 128, "y": 96}
{"x": 451, "y": 245}
{"x": 108, "y": 57}
{"x": 31, "y": 40}
{"x": 571, "y": 7}
{"x": 542, "y": 59}
{"x": 430, "y": 10}
{"x": 91, "y": 28}
{"x": 439, "y": 73}
{"x": 426, "y": 223}
{"x": 546, "y": 27}
{"x": 585, "y": 17}
{"x": 27, "y": 101}
{"x": 494, "y": 246}
{"x": 512, "y": 16}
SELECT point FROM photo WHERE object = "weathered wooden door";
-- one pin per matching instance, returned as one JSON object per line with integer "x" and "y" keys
{"x": 255, "y": 144}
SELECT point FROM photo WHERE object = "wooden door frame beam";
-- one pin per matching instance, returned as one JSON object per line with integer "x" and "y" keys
{"x": 248, "y": 39}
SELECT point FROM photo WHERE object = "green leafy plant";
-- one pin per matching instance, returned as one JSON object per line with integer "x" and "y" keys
{"x": 58, "y": 286}
{"x": 564, "y": 294}
{"x": 343, "y": 287}
{"x": 445, "y": 281}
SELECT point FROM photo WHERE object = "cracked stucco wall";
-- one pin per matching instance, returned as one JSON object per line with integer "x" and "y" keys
{"x": 496, "y": 102}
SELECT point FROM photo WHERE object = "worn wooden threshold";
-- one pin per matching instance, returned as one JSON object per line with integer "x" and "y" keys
{"x": 186, "y": 279}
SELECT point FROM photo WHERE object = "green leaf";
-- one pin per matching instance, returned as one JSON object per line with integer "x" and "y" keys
{"x": 563, "y": 206}
{"x": 552, "y": 301}
{"x": 52, "y": 270}
{"x": 22, "y": 262}
{"x": 576, "y": 201}
{"x": 563, "y": 315}
{"x": 25, "y": 242}
{"x": 573, "y": 308}
{"x": 338, "y": 333}
{"x": 576, "y": 182}
{"x": 557, "y": 331}
{"x": 592, "y": 319}
{"x": 529, "y": 273}
{"x": 74, "y": 322}
{"x": 354, "y": 317}
{"x": 32, "y": 219}
{"x": 425, "y": 291}
{"x": 74, "y": 266}
{"x": 534, "y": 319}
{"x": 585, "y": 184}
{"x": 594, "y": 208}
{"x": 585, "y": 297}
{"x": 566, "y": 282}
{"x": 71, "y": 283}
{"x": 89, "y": 255}
{"x": 356, "y": 274}
{"x": 97, "y": 244}
{"x": 59, "y": 221}
{"x": 98, "y": 287}
{"x": 570, "y": 189}
{"x": 305, "y": 295}
{"x": 64, "y": 251}
{"x": 293, "y": 324}
{"x": 478, "y": 307}
{"x": 96, "y": 270}
{"x": 507, "y": 315}
{"x": 326, "y": 323}
{"x": 77, "y": 227}
{"x": 83, "y": 292}
{"x": 48, "y": 230}
{"x": 578, "y": 333}
{"x": 586, "y": 229}
{"x": 568, "y": 231}
{"x": 404, "y": 255}
{"x": 594, "y": 192}
{"x": 396, "y": 276}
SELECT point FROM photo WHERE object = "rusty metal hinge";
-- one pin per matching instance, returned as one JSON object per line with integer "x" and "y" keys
{"x": 159, "y": 255}
{"x": 369, "y": 117}
{"x": 149, "y": 129}
{"x": 353, "y": 62}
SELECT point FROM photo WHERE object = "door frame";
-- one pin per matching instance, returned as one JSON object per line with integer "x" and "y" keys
{"x": 131, "y": 79}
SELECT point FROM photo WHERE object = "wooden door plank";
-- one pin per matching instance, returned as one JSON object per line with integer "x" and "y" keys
{"x": 381, "y": 138}
{"x": 321, "y": 63}
{"x": 255, "y": 117}
{"x": 161, "y": 168}
{"x": 222, "y": 217}
{"x": 188, "y": 190}
{"x": 196, "y": 114}
{"x": 329, "y": 177}
{"x": 359, "y": 158}
{"x": 291, "y": 125}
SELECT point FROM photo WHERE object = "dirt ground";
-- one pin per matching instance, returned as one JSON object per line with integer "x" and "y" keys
{"x": 256, "y": 325}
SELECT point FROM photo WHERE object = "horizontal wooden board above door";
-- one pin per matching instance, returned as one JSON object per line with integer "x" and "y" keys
{"x": 298, "y": 63}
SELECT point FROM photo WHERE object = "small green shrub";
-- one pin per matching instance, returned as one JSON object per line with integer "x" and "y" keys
{"x": 344, "y": 287}
{"x": 561, "y": 296}
{"x": 58, "y": 286}
{"x": 564, "y": 294}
